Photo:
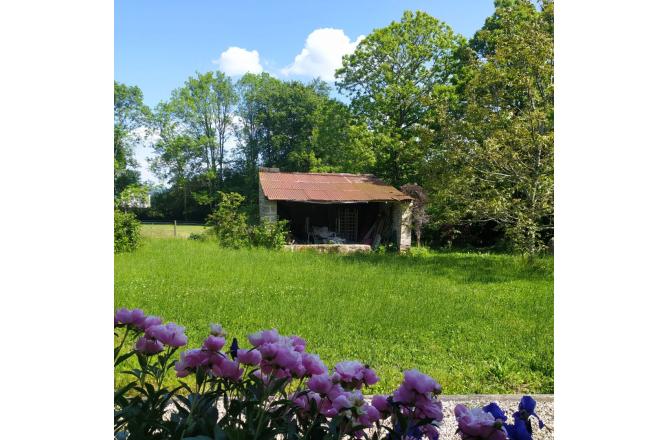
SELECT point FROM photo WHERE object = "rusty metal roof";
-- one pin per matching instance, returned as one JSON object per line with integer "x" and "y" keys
{"x": 327, "y": 187}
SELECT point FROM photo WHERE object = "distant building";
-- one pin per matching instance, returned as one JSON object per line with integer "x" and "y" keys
{"x": 336, "y": 208}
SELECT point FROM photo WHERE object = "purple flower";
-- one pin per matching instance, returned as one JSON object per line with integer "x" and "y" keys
{"x": 477, "y": 424}
{"x": 369, "y": 415}
{"x": 381, "y": 403}
{"x": 426, "y": 408}
{"x": 298, "y": 343}
{"x": 421, "y": 382}
{"x": 169, "y": 334}
{"x": 350, "y": 371}
{"x": 320, "y": 384}
{"x": 354, "y": 375}
{"x": 213, "y": 343}
{"x": 190, "y": 360}
{"x": 313, "y": 364}
{"x": 148, "y": 346}
{"x": 150, "y": 321}
{"x": 227, "y": 368}
{"x": 217, "y": 330}
{"x": 263, "y": 337}
{"x": 249, "y": 357}
{"x": 134, "y": 317}
{"x": 430, "y": 431}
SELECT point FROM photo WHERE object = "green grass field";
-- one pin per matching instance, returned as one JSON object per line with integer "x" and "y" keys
{"x": 167, "y": 231}
{"x": 477, "y": 323}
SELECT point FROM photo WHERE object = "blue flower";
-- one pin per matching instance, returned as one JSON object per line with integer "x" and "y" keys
{"x": 521, "y": 428}
{"x": 494, "y": 410}
{"x": 233, "y": 348}
{"x": 518, "y": 430}
{"x": 527, "y": 408}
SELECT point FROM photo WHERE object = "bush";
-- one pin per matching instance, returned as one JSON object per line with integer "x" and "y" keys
{"x": 418, "y": 252}
{"x": 270, "y": 235}
{"x": 201, "y": 236}
{"x": 127, "y": 231}
{"x": 228, "y": 223}
{"x": 274, "y": 388}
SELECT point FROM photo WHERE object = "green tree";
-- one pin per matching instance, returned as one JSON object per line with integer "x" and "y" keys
{"x": 228, "y": 222}
{"x": 392, "y": 77}
{"x": 496, "y": 164}
{"x": 200, "y": 111}
{"x": 130, "y": 115}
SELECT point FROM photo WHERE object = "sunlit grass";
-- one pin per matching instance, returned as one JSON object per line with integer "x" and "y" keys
{"x": 477, "y": 323}
{"x": 167, "y": 230}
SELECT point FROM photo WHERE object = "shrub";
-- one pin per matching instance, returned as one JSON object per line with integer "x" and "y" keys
{"x": 273, "y": 388}
{"x": 127, "y": 231}
{"x": 201, "y": 236}
{"x": 228, "y": 222}
{"x": 271, "y": 235}
{"x": 418, "y": 252}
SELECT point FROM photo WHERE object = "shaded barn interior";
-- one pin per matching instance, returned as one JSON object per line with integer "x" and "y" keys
{"x": 335, "y": 208}
{"x": 353, "y": 222}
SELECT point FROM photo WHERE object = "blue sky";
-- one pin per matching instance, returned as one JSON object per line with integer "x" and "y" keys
{"x": 158, "y": 44}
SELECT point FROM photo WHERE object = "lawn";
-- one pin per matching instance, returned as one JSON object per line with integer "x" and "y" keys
{"x": 167, "y": 230}
{"x": 477, "y": 323}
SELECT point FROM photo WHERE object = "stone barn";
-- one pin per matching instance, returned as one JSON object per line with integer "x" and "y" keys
{"x": 347, "y": 212}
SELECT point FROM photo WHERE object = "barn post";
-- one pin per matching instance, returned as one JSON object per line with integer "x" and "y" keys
{"x": 268, "y": 208}
{"x": 401, "y": 222}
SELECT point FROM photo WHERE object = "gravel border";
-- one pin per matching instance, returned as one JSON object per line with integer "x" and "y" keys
{"x": 507, "y": 402}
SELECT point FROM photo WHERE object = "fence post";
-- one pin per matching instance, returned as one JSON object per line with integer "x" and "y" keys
{"x": 174, "y": 228}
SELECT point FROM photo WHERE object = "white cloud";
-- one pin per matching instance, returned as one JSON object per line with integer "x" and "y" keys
{"x": 322, "y": 54}
{"x": 237, "y": 61}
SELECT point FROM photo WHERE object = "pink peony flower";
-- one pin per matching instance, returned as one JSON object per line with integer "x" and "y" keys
{"x": 134, "y": 317}
{"x": 429, "y": 409}
{"x": 227, "y": 368}
{"x": 313, "y": 364}
{"x": 150, "y": 321}
{"x": 370, "y": 376}
{"x": 381, "y": 404}
{"x": 169, "y": 334}
{"x": 478, "y": 424}
{"x": 354, "y": 375}
{"x": 298, "y": 343}
{"x": 287, "y": 358}
{"x": 320, "y": 384}
{"x": 369, "y": 415}
{"x": 148, "y": 346}
{"x": 190, "y": 360}
{"x": 249, "y": 357}
{"x": 217, "y": 330}
{"x": 263, "y": 337}
{"x": 350, "y": 371}
{"x": 421, "y": 382}
{"x": 213, "y": 343}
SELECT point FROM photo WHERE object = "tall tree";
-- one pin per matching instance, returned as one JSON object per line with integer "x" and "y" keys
{"x": 198, "y": 117}
{"x": 130, "y": 115}
{"x": 496, "y": 164}
{"x": 391, "y": 78}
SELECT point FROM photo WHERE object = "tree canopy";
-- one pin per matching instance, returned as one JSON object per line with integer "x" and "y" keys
{"x": 470, "y": 123}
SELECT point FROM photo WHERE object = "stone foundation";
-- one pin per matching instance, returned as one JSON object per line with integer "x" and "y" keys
{"x": 329, "y": 248}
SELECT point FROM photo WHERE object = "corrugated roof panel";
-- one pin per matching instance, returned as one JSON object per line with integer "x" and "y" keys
{"x": 323, "y": 187}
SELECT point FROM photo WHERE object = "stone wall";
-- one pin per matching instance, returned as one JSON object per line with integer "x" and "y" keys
{"x": 401, "y": 223}
{"x": 268, "y": 208}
